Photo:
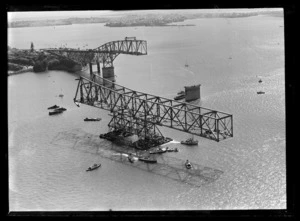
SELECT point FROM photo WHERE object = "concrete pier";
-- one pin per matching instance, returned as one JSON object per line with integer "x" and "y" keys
{"x": 98, "y": 68}
{"x": 91, "y": 70}
{"x": 192, "y": 92}
{"x": 109, "y": 74}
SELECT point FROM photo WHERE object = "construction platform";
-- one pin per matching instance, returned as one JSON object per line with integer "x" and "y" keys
{"x": 119, "y": 136}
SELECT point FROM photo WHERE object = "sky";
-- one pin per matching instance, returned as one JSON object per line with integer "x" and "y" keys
{"x": 40, "y": 15}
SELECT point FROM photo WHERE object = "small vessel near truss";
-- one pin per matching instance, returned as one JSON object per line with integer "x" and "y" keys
{"x": 190, "y": 142}
{"x": 93, "y": 167}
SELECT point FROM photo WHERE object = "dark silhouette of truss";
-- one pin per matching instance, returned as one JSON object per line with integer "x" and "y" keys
{"x": 140, "y": 113}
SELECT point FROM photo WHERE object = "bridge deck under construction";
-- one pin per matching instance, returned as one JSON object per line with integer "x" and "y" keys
{"x": 167, "y": 165}
{"x": 138, "y": 112}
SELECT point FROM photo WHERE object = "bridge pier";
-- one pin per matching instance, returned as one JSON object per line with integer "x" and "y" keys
{"x": 91, "y": 70}
{"x": 98, "y": 68}
{"x": 109, "y": 74}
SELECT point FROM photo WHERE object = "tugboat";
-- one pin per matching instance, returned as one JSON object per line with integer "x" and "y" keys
{"x": 95, "y": 166}
{"x": 56, "y": 112}
{"x": 180, "y": 92}
{"x": 53, "y": 107}
{"x": 147, "y": 159}
{"x": 260, "y": 92}
{"x": 179, "y": 97}
{"x": 187, "y": 164}
{"x": 92, "y": 119}
{"x": 190, "y": 141}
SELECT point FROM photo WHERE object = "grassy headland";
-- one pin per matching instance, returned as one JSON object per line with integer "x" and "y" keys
{"x": 20, "y": 61}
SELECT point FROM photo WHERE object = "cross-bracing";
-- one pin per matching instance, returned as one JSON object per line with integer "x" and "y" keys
{"x": 140, "y": 113}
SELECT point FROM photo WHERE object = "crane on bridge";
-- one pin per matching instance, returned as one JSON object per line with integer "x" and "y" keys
{"x": 136, "y": 112}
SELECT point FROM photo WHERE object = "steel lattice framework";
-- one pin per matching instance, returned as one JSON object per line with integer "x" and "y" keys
{"x": 104, "y": 54}
{"x": 140, "y": 113}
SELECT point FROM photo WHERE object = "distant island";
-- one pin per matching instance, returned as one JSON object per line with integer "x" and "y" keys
{"x": 141, "y": 19}
{"x": 146, "y": 20}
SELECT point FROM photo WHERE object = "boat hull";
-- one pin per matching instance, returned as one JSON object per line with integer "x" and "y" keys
{"x": 189, "y": 144}
{"x": 179, "y": 97}
{"x": 172, "y": 150}
{"x": 55, "y": 112}
{"x": 94, "y": 168}
{"x": 61, "y": 109}
{"x": 92, "y": 119}
{"x": 158, "y": 151}
{"x": 148, "y": 160}
{"x": 53, "y": 107}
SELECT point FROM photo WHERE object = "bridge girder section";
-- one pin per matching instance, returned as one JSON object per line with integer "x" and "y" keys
{"x": 104, "y": 54}
{"x": 133, "y": 109}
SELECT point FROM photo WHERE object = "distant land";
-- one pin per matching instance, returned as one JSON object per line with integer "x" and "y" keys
{"x": 140, "y": 19}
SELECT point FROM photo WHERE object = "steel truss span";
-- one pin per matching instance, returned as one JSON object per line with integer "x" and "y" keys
{"x": 138, "y": 112}
{"x": 104, "y": 54}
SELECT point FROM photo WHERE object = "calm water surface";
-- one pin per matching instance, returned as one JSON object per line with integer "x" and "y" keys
{"x": 226, "y": 56}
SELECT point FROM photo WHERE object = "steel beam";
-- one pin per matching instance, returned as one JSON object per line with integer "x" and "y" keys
{"x": 148, "y": 110}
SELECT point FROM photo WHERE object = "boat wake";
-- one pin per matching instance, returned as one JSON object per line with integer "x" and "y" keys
{"x": 166, "y": 166}
{"x": 173, "y": 141}
{"x": 189, "y": 71}
{"x": 125, "y": 155}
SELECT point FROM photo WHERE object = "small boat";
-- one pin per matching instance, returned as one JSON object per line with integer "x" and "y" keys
{"x": 53, "y": 107}
{"x": 190, "y": 141}
{"x": 172, "y": 149}
{"x": 158, "y": 150}
{"x": 259, "y": 81}
{"x": 95, "y": 166}
{"x": 130, "y": 158}
{"x": 179, "y": 97}
{"x": 92, "y": 119}
{"x": 147, "y": 159}
{"x": 55, "y": 112}
{"x": 180, "y": 92}
{"x": 188, "y": 165}
{"x": 77, "y": 104}
{"x": 61, "y": 109}
{"x": 260, "y": 92}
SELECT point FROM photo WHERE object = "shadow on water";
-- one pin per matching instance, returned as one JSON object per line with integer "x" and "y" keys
{"x": 166, "y": 166}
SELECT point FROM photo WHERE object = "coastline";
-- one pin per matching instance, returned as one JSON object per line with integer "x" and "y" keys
{"x": 22, "y": 61}
{"x": 136, "y": 19}
{"x": 24, "y": 70}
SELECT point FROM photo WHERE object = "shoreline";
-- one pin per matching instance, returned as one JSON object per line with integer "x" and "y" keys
{"x": 10, "y": 73}
{"x": 134, "y": 20}
{"x": 22, "y": 61}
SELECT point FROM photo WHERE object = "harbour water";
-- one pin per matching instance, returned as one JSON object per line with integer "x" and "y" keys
{"x": 226, "y": 56}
